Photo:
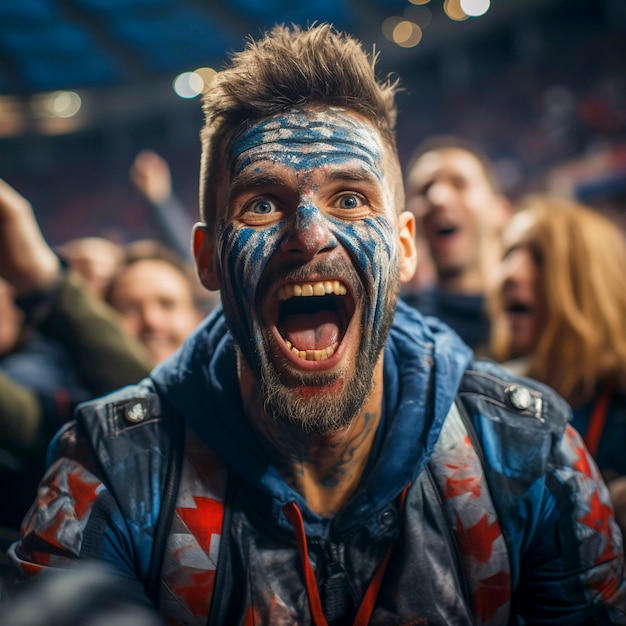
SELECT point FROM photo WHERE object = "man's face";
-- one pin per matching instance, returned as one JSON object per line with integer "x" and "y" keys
{"x": 308, "y": 249}
{"x": 456, "y": 208}
{"x": 155, "y": 302}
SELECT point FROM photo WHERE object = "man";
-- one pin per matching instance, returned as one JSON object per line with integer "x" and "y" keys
{"x": 453, "y": 191}
{"x": 314, "y": 455}
{"x": 154, "y": 293}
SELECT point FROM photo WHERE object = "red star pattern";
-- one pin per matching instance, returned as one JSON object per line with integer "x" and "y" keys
{"x": 197, "y": 594}
{"x": 457, "y": 486}
{"x": 477, "y": 540}
{"x": 204, "y": 521}
{"x": 491, "y": 594}
{"x": 84, "y": 490}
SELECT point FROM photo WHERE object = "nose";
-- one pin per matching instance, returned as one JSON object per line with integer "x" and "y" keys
{"x": 438, "y": 193}
{"x": 151, "y": 317}
{"x": 308, "y": 233}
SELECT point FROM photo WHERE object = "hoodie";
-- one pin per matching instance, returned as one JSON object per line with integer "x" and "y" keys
{"x": 479, "y": 504}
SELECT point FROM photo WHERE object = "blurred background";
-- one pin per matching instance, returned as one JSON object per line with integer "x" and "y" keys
{"x": 86, "y": 84}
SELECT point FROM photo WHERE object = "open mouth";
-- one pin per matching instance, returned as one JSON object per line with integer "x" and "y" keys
{"x": 446, "y": 231}
{"x": 313, "y": 317}
{"x": 518, "y": 308}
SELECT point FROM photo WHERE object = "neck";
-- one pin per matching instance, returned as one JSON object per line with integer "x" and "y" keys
{"x": 469, "y": 282}
{"x": 325, "y": 468}
{"x": 476, "y": 278}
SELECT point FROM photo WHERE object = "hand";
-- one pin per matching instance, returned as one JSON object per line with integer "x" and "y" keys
{"x": 26, "y": 259}
{"x": 151, "y": 175}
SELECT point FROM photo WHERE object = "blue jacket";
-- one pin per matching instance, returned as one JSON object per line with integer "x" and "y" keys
{"x": 480, "y": 505}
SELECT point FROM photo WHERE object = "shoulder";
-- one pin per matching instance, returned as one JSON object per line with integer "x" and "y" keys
{"x": 519, "y": 424}
{"x": 501, "y": 395}
{"x": 127, "y": 423}
{"x": 128, "y": 406}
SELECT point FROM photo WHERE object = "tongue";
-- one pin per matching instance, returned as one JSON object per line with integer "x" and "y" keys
{"x": 314, "y": 331}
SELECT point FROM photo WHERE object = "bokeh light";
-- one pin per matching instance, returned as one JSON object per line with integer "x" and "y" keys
{"x": 407, "y": 34}
{"x": 454, "y": 11}
{"x": 207, "y": 74}
{"x": 389, "y": 25}
{"x": 475, "y": 8}
{"x": 421, "y": 15}
{"x": 63, "y": 104}
{"x": 188, "y": 85}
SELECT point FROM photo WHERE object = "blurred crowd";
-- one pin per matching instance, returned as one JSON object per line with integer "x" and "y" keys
{"x": 532, "y": 280}
{"x": 536, "y": 284}
{"x": 81, "y": 320}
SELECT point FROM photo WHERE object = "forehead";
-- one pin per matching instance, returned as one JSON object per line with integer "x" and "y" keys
{"x": 447, "y": 162}
{"x": 149, "y": 276}
{"x": 519, "y": 229}
{"x": 308, "y": 139}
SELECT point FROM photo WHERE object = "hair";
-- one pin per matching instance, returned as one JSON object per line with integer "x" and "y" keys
{"x": 444, "y": 142}
{"x": 152, "y": 250}
{"x": 291, "y": 67}
{"x": 583, "y": 255}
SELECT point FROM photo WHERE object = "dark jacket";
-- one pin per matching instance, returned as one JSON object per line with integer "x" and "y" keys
{"x": 480, "y": 502}
{"x": 465, "y": 313}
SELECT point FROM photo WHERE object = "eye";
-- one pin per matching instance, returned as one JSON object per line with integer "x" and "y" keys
{"x": 262, "y": 206}
{"x": 351, "y": 201}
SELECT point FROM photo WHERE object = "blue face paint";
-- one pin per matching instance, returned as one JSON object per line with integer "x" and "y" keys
{"x": 306, "y": 141}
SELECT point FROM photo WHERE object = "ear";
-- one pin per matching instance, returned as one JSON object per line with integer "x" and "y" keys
{"x": 204, "y": 253}
{"x": 408, "y": 248}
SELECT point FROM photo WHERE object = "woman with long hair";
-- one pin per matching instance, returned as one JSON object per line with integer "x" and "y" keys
{"x": 558, "y": 316}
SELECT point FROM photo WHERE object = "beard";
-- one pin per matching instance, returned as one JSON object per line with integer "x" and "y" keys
{"x": 321, "y": 413}
{"x": 341, "y": 394}
{"x": 332, "y": 411}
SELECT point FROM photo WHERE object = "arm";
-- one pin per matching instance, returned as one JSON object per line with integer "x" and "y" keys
{"x": 75, "y": 517}
{"x": 572, "y": 563}
{"x": 21, "y": 418}
{"x": 104, "y": 355}
{"x": 150, "y": 173}
{"x": 61, "y": 308}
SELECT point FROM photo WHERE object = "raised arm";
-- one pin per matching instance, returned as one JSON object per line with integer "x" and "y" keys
{"x": 61, "y": 307}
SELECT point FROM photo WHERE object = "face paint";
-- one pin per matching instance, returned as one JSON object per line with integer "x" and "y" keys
{"x": 306, "y": 141}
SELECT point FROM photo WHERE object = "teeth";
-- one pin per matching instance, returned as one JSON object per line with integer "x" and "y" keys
{"x": 313, "y": 355}
{"x": 321, "y": 288}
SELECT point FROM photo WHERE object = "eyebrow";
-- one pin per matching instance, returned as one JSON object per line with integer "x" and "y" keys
{"x": 248, "y": 179}
{"x": 355, "y": 175}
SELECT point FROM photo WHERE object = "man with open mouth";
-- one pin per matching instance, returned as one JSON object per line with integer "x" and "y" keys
{"x": 453, "y": 190}
{"x": 316, "y": 453}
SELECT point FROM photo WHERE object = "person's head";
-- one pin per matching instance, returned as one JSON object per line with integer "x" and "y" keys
{"x": 561, "y": 300}
{"x": 303, "y": 225}
{"x": 154, "y": 292}
{"x": 95, "y": 259}
{"x": 453, "y": 191}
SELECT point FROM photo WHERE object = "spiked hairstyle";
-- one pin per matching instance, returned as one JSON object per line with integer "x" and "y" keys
{"x": 292, "y": 67}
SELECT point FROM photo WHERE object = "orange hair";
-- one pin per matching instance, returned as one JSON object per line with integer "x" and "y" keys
{"x": 583, "y": 257}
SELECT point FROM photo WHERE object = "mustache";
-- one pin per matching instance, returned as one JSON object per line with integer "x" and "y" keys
{"x": 297, "y": 272}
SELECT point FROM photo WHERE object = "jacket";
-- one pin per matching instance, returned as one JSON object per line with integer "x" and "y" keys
{"x": 480, "y": 504}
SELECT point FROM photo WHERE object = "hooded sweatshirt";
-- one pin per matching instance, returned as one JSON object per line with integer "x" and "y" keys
{"x": 476, "y": 493}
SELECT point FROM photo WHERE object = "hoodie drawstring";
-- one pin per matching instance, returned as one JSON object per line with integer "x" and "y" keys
{"x": 294, "y": 516}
